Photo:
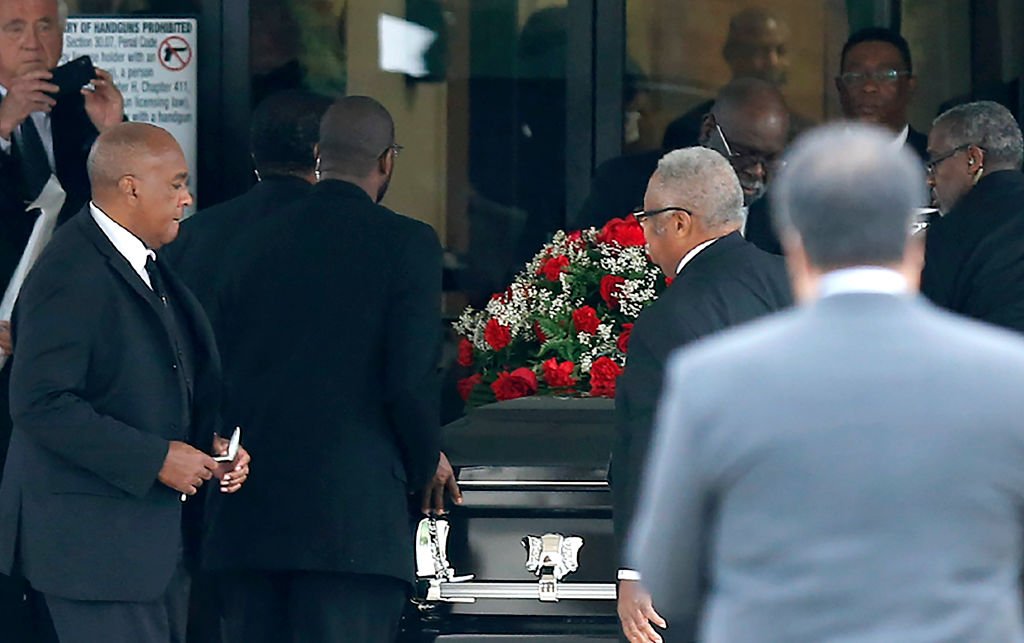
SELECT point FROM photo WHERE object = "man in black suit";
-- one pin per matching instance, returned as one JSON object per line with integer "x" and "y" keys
{"x": 40, "y": 135}
{"x": 284, "y": 131}
{"x": 749, "y": 124}
{"x": 115, "y": 377}
{"x": 330, "y": 329}
{"x": 876, "y": 82}
{"x": 974, "y": 254}
{"x": 692, "y": 216}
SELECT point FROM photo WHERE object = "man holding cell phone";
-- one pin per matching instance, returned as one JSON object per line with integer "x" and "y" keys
{"x": 43, "y": 133}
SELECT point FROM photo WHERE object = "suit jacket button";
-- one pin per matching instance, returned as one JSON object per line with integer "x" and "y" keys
{"x": 174, "y": 366}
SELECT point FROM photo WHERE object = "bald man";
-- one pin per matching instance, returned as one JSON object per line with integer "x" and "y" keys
{"x": 748, "y": 124}
{"x": 329, "y": 325}
{"x": 114, "y": 396}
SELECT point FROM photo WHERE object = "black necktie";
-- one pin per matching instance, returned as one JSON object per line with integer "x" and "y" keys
{"x": 35, "y": 166}
{"x": 155, "y": 279}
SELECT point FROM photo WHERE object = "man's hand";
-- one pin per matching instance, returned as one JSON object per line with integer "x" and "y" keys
{"x": 444, "y": 479}
{"x": 104, "y": 104}
{"x": 231, "y": 474}
{"x": 27, "y": 94}
{"x": 6, "y": 343}
{"x": 636, "y": 613}
{"x": 186, "y": 468}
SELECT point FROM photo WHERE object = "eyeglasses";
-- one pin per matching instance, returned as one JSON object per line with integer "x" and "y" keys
{"x": 855, "y": 79}
{"x": 934, "y": 163}
{"x": 395, "y": 148}
{"x": 743, "y": 159}
{"x": 643, "y": 215}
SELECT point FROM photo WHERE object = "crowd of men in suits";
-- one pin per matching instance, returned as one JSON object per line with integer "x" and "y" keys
{"x": 124, "y": 385}
{"x": 844, "y": 469}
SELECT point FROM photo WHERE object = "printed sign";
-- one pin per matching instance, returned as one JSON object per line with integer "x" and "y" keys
{"x": 153, "y": 61}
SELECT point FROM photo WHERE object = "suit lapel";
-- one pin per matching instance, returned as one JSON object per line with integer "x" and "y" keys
{"x": 116, "y": 260}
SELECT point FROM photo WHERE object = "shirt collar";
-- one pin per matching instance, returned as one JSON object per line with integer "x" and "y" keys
{"x": 688, "y": 257}
{"x": 862, "y": 279}
{"x": 126, "y": 243}
{"x": 901, "y": 138}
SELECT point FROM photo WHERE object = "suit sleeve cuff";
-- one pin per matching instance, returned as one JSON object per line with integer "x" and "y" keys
{"x": 5, "y": 145}
{"x": 628, "y": 574}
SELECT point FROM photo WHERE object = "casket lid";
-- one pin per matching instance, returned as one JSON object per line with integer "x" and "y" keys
{"x": 534, "y": 431}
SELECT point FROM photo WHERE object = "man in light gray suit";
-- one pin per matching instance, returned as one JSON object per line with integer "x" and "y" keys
{"x": 852, "y": 470}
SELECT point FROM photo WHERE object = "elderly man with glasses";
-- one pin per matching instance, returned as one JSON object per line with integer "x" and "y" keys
{"x": 974, "y": 254}
{"x": 691, "y": 219}
{"x": 876, "y": 82}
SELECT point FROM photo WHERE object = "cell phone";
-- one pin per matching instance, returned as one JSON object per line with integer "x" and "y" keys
{"x": 236, "y": 439}
{"x": 72, "y": 76}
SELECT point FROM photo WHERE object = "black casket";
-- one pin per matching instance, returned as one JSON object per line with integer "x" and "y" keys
{"x": 530, "y": 552}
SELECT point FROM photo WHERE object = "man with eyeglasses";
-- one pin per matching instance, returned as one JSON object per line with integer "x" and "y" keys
{"x": 974, "y": 254}
{"x": 749, "y": 125}
{"x": 876, "y": 82}
{"x": 693, "y": 210}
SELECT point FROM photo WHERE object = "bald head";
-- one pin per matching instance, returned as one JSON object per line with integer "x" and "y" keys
{"x": 139, "y": 179}
{"x": 750, "y": 99}
{"x": 756, "y": 46}
{"x": 355, "y": 134}
{"x": 121, "y": 150}
{"x": 754, "y": 124}
{"x": 848, "y": 196}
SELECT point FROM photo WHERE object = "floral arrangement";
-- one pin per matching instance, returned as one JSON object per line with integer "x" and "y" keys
{"x": 562, "y": 327}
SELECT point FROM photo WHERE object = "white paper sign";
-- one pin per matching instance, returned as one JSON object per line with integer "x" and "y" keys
{"x": 153, "y": 61}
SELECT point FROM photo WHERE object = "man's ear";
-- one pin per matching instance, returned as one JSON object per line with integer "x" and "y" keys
{"x": 802, "y": 278}
{"x": 127, "y": 186}
{"x": 975, "y": 158}
{"x": 386, "y": 162}
{"x": 913, "y": 261}
{"x": 706, "y": 125}
{"x": 911, "y": 85}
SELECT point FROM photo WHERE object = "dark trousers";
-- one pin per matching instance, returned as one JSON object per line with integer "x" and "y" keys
{"x": 159, "y": 621}
{"x": 311, "y": 607}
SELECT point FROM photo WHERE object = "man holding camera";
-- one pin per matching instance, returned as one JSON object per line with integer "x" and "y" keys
{"x": 43, "y": 131}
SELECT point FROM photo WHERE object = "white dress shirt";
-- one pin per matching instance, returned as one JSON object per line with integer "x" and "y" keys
{"x": 130, "y": 246}
{"x": 688, "y": 257}
{"x": 42, "y": 122}
{"x": 901, "y": 138}
{"x": 862, "y": 279}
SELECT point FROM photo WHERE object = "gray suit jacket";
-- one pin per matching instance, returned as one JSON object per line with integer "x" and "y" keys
{"x": 849, "y": 471}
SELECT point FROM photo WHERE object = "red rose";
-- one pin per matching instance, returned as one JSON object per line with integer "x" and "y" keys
{"x": 603, "y": 374}
{"x": 623, "y": 341}
{"x": 575, "y": 237}
{"x": 553, "y": 267}
{"x": 496, "y": 335}
{"x": 519, "y": 383}
{"x": 625, "y": 232}
{"x": 585, "y": 320}
{"x": 668, "y": 281}
{"x": 610, "y": 289}
{"x": 539, "y": 332}
{"x": 558, "y": 375}
{"x": 465, "y": 352}
{"x": 466, "y": 386}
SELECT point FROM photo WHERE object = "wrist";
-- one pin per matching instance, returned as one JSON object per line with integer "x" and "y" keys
{"x": 628, "y": 574}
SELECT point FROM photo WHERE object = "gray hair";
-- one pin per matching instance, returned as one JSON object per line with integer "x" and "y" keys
{"x": 848, "y": 196}
{"x": 988, "y": 125}
{"x": 704, "y": 180}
